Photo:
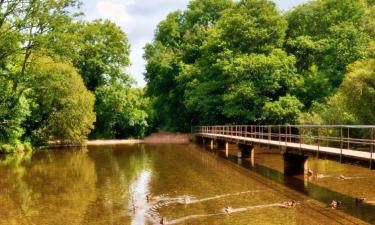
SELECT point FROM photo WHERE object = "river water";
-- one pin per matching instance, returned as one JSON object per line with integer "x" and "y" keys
{"x": 187, "y": 184}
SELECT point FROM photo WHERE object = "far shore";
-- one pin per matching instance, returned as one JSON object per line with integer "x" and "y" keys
{"x": 157, "y": 138}
{"x": 114, "y": 142}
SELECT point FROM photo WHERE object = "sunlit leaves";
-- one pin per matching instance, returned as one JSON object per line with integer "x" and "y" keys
{"x": 65, "y": 108}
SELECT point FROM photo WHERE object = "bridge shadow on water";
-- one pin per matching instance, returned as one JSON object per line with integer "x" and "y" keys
{"x": 365, "y": 211}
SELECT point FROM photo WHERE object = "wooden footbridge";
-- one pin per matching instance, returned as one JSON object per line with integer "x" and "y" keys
{"x": 356, "y": 142}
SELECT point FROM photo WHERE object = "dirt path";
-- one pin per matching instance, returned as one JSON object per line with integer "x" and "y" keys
{"x": 156, "y": 138}
{"x": 166, "y": 137}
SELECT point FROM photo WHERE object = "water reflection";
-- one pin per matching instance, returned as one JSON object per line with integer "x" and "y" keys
{"x": 331, "y": 181}
{"x": 138, "y": 202}
{"x": 109, "y": 184}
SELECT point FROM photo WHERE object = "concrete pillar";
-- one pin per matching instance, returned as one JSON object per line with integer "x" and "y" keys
{"x": 294, "y": 164}
{"x": 245, "y": 151}
{"x": 227, "y": 149}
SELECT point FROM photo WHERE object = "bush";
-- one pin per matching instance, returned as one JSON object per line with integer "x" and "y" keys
{"x": 64, "y": 108}
{"x": 6, "y": 149}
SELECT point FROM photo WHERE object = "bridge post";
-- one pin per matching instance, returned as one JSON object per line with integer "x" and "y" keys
{"x": 294, "y": 164}
{"x": 246, "y": 151}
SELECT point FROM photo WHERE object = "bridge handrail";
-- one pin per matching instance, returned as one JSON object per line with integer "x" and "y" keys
{"x": 304, "y": 125}
{"x": 353, "y": 137}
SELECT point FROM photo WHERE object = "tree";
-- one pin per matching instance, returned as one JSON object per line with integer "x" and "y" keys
{"x": 122, "y": 112}
{"x": 102, "y": 58}
{"x": 326, "y": 36}
{"x": 177, "y": 46}
{"x": 358, "y": 91}
{"x": 242, "y": 66}
{"x": 286, "y": 110}
{"x": 63, "y": 109}
{"x": 13, "y": 112}
{"x": 26, "y": 27}
{"x": 254, "y": 26}
{"x": 103, "y": 53}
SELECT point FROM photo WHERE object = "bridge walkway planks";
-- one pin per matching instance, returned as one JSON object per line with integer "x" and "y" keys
{"x": 312, "y": 148}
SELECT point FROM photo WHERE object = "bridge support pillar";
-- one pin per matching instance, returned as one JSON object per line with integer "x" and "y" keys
{"x": 226, "y": 149}
{"x": 220, "y": 144}
{"x": 294, "y": 164}
{"x": 246, "y": 151}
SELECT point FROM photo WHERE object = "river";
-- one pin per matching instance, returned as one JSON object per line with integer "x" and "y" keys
{"x": 186, "y": 185}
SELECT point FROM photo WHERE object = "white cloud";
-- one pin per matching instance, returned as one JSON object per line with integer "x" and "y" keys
{"x": 139, "y": 18}
{"x": 114, "y": 11}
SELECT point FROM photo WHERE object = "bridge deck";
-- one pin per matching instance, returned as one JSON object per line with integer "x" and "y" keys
{"x": 313, "y": 148}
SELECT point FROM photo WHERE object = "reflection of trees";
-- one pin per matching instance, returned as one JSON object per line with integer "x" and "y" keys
{"x": 71, "y": 186}
{"x": 183, "y": 168}
{"x": 117, "y": 167}
{"x": 50, "y": 188}
{"x": 13, "y": 189}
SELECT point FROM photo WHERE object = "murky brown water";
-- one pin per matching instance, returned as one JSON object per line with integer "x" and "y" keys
{"x": 101, "y": 185}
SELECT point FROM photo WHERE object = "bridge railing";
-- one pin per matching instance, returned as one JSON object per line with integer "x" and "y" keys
{"x": 359, "y": 138}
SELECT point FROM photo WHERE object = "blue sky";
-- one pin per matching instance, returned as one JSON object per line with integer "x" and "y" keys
{"x": 139, "y": 18}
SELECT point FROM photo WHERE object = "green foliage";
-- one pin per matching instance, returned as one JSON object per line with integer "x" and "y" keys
{"x": 27, "y": 28}
{"x": 354, "y": 101}
{"x": 13, "y": 112}
{"x": 16, "y": 146}
{"x": 284, "y": 111}
{"x": 216, "y": 62}
{"x": 122, "y": 112}
{"x": 48, "y": 59}
{"x": 103, "y": 53}
{"x": 64, "y": 108}
{"x": 177, "y": 45}
{"x": 326, "y": 36}
{"x": 243, "y": 62}
{"x": 252, "y": 26}
{"x": 101, "y": 60}
{"x": 358, "y": 91}
{"x": 241, "y": 67}
{"x": 219, "y": 61}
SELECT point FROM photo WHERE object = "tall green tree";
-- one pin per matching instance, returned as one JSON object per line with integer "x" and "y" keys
{"x": 357, "y": 91}
{"x": 102, "y": 59}
{"x": 243, "y": 66}
{"x": 122, "y": 112}
{"x": 26, "y": 28}
{"x": 103, "y": 53}
{"x": 63, "y": 108}
{"x": 326, "y": 36}
{"x": 177, "y": 46}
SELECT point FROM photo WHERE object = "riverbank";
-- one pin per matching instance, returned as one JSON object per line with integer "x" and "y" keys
{"x": 156, "y": 138}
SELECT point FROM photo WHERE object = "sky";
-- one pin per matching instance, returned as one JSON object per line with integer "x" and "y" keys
{"x": 139, "y": 18}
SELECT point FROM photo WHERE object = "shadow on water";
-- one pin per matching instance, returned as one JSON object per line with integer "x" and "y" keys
{"x": 363, "y": 211}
